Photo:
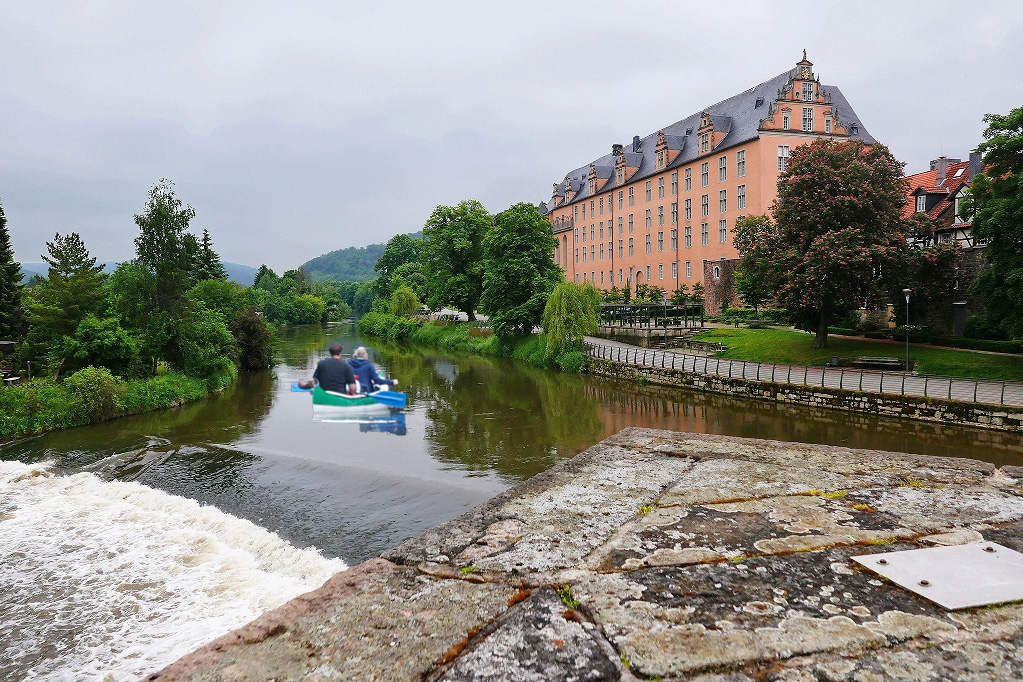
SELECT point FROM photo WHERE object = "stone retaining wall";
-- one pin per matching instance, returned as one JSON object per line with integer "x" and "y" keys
{"x": 1003, "y": 418}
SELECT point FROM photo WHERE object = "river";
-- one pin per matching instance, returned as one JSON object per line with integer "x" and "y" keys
{"x": 126, "y": 544}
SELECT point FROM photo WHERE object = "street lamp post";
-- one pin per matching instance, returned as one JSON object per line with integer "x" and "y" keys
{"x": 907, "y": 292}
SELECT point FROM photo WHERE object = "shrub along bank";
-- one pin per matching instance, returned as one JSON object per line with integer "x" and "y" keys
{"x": 469, "y": 339}
{"x": 91, "y": 395}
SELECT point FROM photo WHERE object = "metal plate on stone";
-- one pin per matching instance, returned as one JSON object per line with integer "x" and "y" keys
{"x": 955, "y": 577}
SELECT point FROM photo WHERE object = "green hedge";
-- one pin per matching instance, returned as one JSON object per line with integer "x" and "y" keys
{"x": 87, "y": 396}
{"x": 978, "y": 344}
{"x": 466, "y": 338}
{"x": 843, "y": 331}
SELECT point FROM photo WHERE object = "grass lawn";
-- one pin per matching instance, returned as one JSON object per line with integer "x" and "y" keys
{"x": 785, "y": 346}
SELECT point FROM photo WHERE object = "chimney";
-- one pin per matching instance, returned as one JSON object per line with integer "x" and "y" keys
{"x": 940, "y": 164}
{"x": 976, "y": 164}
{"x": 616, "y": 149}
{"x": 635, "y": 143}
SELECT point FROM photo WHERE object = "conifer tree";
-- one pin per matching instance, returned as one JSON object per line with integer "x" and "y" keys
{"x": 10, "y": 283}
{"x": 208, "y": 265}
{"x": 72, "y": 289}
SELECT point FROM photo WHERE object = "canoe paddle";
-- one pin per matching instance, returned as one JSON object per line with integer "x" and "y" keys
{"x": 389, "y": 398}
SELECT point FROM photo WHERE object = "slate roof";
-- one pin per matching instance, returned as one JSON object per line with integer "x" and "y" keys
{"x": 737, "y": 114}
{"x": 928, "y": 182}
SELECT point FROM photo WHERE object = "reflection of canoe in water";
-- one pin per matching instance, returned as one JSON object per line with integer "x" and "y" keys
{"x": 392, "y": 422}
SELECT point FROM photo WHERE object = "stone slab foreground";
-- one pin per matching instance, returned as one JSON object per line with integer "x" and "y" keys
{"x": 660, "y": 555}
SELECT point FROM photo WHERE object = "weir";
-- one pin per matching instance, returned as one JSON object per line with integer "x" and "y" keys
{"x": 662, "y": 555}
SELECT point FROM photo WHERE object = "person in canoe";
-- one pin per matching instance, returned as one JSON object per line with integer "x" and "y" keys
{"x": 333, "y": 373}
{"x": 366, "y": 373}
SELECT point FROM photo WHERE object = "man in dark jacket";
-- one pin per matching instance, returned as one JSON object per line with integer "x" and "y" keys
{"x": 366, "y": 373}
{"x": 333, "y": 373}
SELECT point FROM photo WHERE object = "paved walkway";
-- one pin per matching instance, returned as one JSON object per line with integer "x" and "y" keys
{"x": 868, "y": 381}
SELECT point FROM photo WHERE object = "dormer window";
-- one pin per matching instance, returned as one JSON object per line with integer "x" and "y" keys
{"x": 619, "y": 176}
{"x": 807, "y": 92}
{"x": 660, "y": 159}
{"x": 704, "y": 142}
{"x": 958, "y": 216}
{"x": 785, "y": 120}
{"x": 921, "y": 203}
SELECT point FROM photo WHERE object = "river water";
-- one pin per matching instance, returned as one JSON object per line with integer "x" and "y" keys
{"x": 127, "y": 544}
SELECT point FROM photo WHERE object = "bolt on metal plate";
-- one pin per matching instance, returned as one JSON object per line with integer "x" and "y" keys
{"x": 957, "y": 577}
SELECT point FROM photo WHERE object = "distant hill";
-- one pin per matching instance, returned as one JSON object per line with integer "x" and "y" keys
{"x": 353, "y": 263}
{"x": 236, "y": 272}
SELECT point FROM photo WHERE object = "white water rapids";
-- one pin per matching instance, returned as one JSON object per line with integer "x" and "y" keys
{"x": 107, "y": 580}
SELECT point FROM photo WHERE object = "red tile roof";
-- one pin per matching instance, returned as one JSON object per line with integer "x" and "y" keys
{"x": 927, "y": 181}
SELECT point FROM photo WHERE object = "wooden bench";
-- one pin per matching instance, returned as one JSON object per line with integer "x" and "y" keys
{"x": 878, "y": 362}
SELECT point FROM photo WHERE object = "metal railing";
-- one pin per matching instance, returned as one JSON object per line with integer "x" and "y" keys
{"x": 991, "y": 392}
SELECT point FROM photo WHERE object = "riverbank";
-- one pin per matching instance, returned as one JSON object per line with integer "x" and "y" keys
{"x": 43, "y": 405}
{"x": 662, "y": 555}
{"x": 465, "y": 337}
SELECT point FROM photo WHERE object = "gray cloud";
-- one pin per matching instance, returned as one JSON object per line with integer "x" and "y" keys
{"x": 298, "y": 128}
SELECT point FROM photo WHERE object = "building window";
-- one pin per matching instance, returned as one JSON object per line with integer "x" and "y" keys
{"x": 807, "y": 91}
{"x": 740, "y": 163}
{"x": 723, "y": 231}
{"x": 660, "y": 242}
{"x": 704, "y": 174}
{"x": 689, "y": 209}
{"x": 647, "y": 219}
{"x": 647, "y": 189}
{"x": 740, "y": 197}
{"x": 620, "y": 197}
{"x": 674, "y": 213}
{"x": 660, "y": 158}
{"x": 577, "y": 277}
{"x": 660, "y": 188}
{"x": 601, "y": 277}
{"x": 674, "y": 183}
{"x": 785, "y": 120}
{"x": 593, "y": 211}
{"x": 630, "y": 223}
{"x": 783, "y": 156}
{"x": 722, "y": 169}
{"x": 704, "y": 234}
{"x": 921, "y": 202}
{"x": 660, "y": 216}
{"x": 689, "y": 269}
{"x": 591, "y": 232}
{"x": 648, "y": 273}
{"x": 584, "y": 254}
{"x": 632, "y": 198}
{"x": 660, "y": 271}
{"x": 808, "y": 119}
{"x": 689, "y": 237}
{"x": 717, "y": 272}
{"x": 619, "y": 175}
{"x": 584, "y": 211}
{"x": 630, "y": 246}
{"x": 704, "y": 142}
{"x": 600, "y": 205}
{"x": 593, "y": 253}
{"x": 674, "y": 270}
{"x": 689, "y": 179}
{"x": 575, "y": 212}
{"x": 601, "y": 250}
{"x": 602, "y": 228}
{"x": 957, "y": 218}
{"x": 674, "y": 240}
{"x": 648, "y": 243}
{"x": 704, "y": 206}
{"x": 621, "y": 277}
{"x": 723, "y": 201}
{"x": 576, "y": 235}
{"x": 827, "y": 124}
{"x": 577, "y": 257}
{"x": 584, "y": 233}
{"x": 620, "y": 249}
{"x": 619, "y": 224}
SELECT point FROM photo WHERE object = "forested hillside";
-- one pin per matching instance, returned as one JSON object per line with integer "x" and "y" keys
{"x": 354, "y": 264}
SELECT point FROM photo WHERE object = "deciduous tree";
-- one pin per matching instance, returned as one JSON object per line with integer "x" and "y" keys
{"x": 453, "y": 255}
{"x": 519, "y": 272}
{"x": 997, "y": 206}
{"x": 838, "y": 233}
{"x": 753, "y": 277}
{"x": 161, "y": 247}
{"x": 570, "y": 314}
{"x": 399, "y": 251}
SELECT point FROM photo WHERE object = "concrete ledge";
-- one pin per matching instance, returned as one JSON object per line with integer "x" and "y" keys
{"x": 662, "y": 555}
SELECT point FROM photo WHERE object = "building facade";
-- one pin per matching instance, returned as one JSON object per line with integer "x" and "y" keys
{"x": 657, "y": 210}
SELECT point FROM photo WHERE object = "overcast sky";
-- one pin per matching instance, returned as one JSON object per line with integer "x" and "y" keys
{"x": 295, "y": 128}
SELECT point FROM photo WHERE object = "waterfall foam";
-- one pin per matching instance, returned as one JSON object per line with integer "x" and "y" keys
{"x": 105, "y": 580}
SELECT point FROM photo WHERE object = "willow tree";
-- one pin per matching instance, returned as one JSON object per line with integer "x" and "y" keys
{"x": 570, "y": 314}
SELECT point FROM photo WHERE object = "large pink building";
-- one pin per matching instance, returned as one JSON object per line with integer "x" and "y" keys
{"x": 661, "y": 210}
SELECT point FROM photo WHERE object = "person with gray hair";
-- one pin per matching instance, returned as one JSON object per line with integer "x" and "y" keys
{"x": 366, "y": 373}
